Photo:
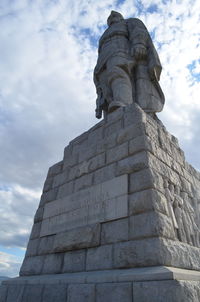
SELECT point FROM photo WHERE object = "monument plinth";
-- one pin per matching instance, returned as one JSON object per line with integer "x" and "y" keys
{"x": 118, "y": 219}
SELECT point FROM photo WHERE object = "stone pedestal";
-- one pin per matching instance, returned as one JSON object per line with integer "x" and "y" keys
{"x": 109, "y": 226}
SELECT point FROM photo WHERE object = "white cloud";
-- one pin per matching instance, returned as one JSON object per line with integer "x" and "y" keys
{"x": 9, "y": 265}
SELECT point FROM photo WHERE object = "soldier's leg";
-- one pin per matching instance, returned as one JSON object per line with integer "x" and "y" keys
{"x": 120, "y": 83}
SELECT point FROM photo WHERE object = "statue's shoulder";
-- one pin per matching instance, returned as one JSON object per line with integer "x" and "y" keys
{"x": 135, "y": 22}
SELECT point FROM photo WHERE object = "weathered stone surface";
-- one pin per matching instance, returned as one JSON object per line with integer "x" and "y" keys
{"x": 160, "y": 252}
{"x": 133, "y": 163}
{"x": 35, "y": 232}
{"x": 112, "y": 128}
{"x": 32, "y": 248}
{"x": 48, "y": 184}
{"x": 39, "y": 214}
{"x": 147, "y": 200}
{"x": 140, "y": 143}
{"x": 114, "y": 231}
{"x": 65, "y": 190}
{"x": 55, "y": 169}
{"x": 145, "y": 179}
{"x": 55, "y": 293}
{"x": 32, "y": 293}
{"x": 83, "y": 182}
{"x": 15, "y": 293}
{"x": 106, "y": 173}
{"x": 117, "y": 292}
{"x": 150, "y": 224}
{"x": 81, "y": 293}
{"x": 53, "y": 263}
{"x": 99, "y": 258}
{"x": 32, "y": 266}
{"x": 3, "y": 293}
{"x": 130, "y": 132}
{"x": 117, "y": 153}
{"x": 77, "y": 238}
{"x": 99, "y": 203}
{"x": 48, "y": 196}
{"x": 46, "y": 245}
{"x": 60, "y": 179}
{"x": 165, "y": 291}
{"x": 74, "y": 261}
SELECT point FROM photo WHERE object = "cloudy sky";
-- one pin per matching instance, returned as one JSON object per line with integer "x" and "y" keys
{"x": 48, "y": 51}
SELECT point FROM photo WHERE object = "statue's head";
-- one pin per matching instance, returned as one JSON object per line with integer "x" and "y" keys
{"x": 114, "y": 17}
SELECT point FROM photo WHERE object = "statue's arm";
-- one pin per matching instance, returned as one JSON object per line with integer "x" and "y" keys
{"x": 138, "y": 37}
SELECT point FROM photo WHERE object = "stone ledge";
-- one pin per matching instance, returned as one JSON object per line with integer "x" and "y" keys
{"x": 155, "y": 273}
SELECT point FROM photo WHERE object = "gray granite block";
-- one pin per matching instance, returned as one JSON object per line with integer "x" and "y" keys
{"x": 147, "y": 200}
{"x": 32, "y": 266}
{"x": 77, "y": 238}
{"x": 81, "y": 293}
{"x": 65, "y": 189}
{"x": 150, "y": 224}
{"x": 99, "y": 258}
{"x": 117, "y": 153}
{"x": 32, "y": 293}
{"x": 114, "y": 231}
{"x": 15, "y": 293}
{"x": 3, "y": 292}
{"x": 166, "y": 291}
{"x": 74, "y": 261}
{"x": 35, "y": 232}
{"x": 116, "y": 292}
{"x": 145, "y": 179}
{"x": 133, "y": 163}
{"x": 46, "y": 245}
{"x": 32, "y": 248}
{"x": 53, "y": 263}
{"x": 54, "y": 293}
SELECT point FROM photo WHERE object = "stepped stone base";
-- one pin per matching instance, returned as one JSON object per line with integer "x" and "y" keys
{"x": 117, "y": 215}
{"x": 150, "y": 284}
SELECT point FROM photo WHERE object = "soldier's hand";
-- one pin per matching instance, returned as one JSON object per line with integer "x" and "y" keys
{"x": 139, "y": 52}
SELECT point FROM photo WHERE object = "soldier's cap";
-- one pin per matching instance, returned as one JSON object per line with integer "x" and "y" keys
{"x": 112, "y": 15}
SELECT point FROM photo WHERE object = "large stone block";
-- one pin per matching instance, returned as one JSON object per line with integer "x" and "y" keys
{"x": 117, "y": 153}
{"x": 32, "y": 248}
{"x": 150, "y": 224}
{"x": 46, "y": 245}
{"x": 145, "y": 179}
{"x": 3, "y": 293}
{"x": 65, "y": 190}
{"x": 15, "y": 293}
{"x": 35, "y": 232}
{"x": 160, "y": 252}
{"x": 74, "y": 261}
{"x": 53, "y": 263}
{"x": 55, "y": 293}
{"x": 147, "y": 200}
{"x": 165, "y": 291}
{"x": 98, "y": 203}
{"x": 99, "y": 258}
{"x": 133, "y": 163}
{"x": 32, "y": 266}
{"x": 81, "y": 293}
{"x": 117, "y": 292}
{"x": 114, "y": 231}
{"x": 32, "y": 293}
{"x": 77, "y": 238}
{"x": 130, "y": 132}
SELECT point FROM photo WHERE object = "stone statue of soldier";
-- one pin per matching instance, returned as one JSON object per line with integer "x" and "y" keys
{"x": 128, "y": 67}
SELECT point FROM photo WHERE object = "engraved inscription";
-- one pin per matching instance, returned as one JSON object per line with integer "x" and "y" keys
{"x": 99, "y": 203}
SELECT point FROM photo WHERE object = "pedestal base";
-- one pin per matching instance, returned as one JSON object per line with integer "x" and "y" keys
{"x": 151, "y": 284}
